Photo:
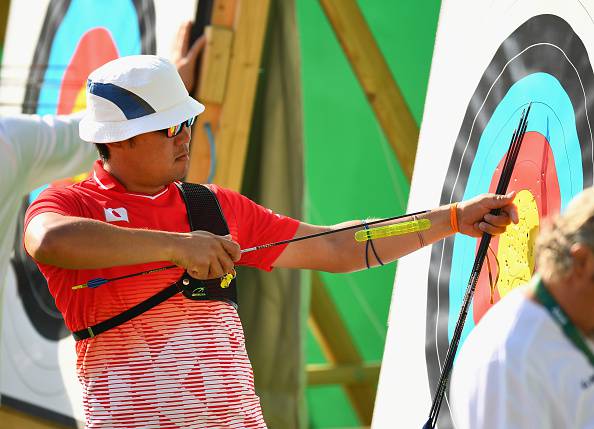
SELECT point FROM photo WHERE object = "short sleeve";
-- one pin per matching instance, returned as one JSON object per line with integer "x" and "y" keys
{"x": 55, "y": 200}
{"x": 251, "y": 225}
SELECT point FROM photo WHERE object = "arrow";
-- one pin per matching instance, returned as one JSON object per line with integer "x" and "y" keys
{"x": 508, "y": 168}
{"x": 380, "y": 232}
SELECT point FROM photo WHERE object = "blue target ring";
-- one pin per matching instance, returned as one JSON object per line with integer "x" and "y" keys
{"x": 81, "y": 17}
{"x": 551, "y": 115}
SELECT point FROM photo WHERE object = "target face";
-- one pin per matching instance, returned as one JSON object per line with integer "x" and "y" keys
{"x": 77, "y": 36}
{"x": 545, "y": 63}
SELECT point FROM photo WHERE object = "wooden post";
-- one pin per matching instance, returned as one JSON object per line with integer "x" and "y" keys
{"x": 11, "y": 419}
{"x": 223, "y": 19}
{"x": 322, "y": 374}
{"x": 375, "y": 77}
{"x": 339, "y": 349}
{"x": 215, "y": 64}
{"x": 4, "y": 7}
{"x": 236, "y": 116}
{"x": 228, "y": 120}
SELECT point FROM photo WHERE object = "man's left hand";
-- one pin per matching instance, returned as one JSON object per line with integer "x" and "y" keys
{"x": 474, "y": 217}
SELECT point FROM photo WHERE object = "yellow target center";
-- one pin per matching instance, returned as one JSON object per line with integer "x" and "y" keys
{"x": 516, "y": 245}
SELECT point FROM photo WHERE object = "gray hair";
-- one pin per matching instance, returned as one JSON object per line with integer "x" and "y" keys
{"x": 575, "y": 225}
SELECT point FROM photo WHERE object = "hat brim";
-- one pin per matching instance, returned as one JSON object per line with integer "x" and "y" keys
{"x": 109, "y": 132}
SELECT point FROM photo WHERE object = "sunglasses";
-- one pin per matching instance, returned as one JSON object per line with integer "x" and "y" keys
{"x": 176, "y": 129}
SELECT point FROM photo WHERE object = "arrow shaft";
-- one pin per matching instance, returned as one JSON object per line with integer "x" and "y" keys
{"x": 405, "y": 227}
{"x": 332, "y": 231}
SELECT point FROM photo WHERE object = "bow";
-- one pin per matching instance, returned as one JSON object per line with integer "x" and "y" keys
{"x": 508, "y": 167}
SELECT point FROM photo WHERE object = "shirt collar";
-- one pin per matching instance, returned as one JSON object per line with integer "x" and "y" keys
{"x": 105, "y": 180}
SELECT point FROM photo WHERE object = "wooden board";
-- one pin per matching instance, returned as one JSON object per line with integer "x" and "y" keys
{"x": 339, "y": 349}
{"x": 236, "y": 116}
{"x": 375, "y": 77}
{"x": 223, "y": 17}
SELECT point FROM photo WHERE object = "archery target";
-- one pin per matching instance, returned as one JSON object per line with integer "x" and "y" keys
{"x": 59, "y": 43}
{"x": 540, "y": 59}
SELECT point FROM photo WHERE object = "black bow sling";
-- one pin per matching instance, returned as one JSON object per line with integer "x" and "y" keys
{"x": 204, "y": 213}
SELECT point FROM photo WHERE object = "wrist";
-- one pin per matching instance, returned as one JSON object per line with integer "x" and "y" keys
{"x": 168, "y": 244}
{"x": 454, "y": 222}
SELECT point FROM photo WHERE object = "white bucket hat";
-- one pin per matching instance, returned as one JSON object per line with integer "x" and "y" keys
{"x": 134, "y": 95}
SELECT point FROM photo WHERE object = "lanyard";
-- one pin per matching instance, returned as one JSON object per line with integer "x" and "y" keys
{"x": 544, "y": 297}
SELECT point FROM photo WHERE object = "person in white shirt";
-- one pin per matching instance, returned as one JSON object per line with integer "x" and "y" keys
{"x": 34, "y": 150}
{"x": 530, "y": 361}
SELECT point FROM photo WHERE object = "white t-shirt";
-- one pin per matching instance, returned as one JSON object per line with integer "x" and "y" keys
{"x": 35, "y": 150}
{"x": 517, "y": 369}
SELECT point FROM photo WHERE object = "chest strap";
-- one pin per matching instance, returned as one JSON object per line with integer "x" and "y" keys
{"x": 205, "y": 214}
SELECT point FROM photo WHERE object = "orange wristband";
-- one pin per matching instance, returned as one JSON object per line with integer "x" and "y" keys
{"x": 454, "y": 217}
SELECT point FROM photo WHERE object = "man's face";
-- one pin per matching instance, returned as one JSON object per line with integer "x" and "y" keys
{"x": 158, "y": 159}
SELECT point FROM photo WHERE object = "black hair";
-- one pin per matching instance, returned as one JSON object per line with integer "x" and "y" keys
{"x": 103, "y": 151}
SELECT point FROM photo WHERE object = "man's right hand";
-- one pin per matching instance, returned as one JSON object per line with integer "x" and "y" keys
{"x": 205, "y": 255}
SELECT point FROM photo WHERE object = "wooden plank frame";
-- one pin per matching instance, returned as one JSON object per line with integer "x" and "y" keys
{"x": 229, "y": 104}
{"x": 236, "y": 117}
{"x": 322, "y": 374}
{"x": 223, "y": 17}
{"x": 215, "y": 64}
{"x": 375, "y": 78}
{"x": 229, "y": 122}
{"x": 346, "y": 365}
{"x": 345, "y": 360}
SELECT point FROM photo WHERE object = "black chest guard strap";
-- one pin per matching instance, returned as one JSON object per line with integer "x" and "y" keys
{"x": 205, "y": 214}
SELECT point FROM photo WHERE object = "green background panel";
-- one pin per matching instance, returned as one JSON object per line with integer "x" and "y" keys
{"x": 350, "y": 169}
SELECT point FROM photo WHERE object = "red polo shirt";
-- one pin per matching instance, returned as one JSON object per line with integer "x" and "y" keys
{"x": 182, "y": 363}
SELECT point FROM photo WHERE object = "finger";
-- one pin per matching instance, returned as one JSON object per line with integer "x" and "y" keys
{"x": 232, "y": 248}
{"x": 512, "y": 212}
{"x": 491, "y": 229}
{"x": 502, "y": 219}
{"x": 179, "y": 46}
{"x": 196, "y": 48}
{"x": 215, "y": 270}
{"x": 226, "y": 264}
{"x": 200, "y": 273}
{"x": 186, "y": 29}
{"x": 224, "y": 259}
{"x": 499, "y": 201}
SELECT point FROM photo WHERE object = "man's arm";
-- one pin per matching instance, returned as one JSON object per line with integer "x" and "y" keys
{"x": 341, "y": 253}
{"x": 79, "y": 243}
{"x": 45, "y": 148}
